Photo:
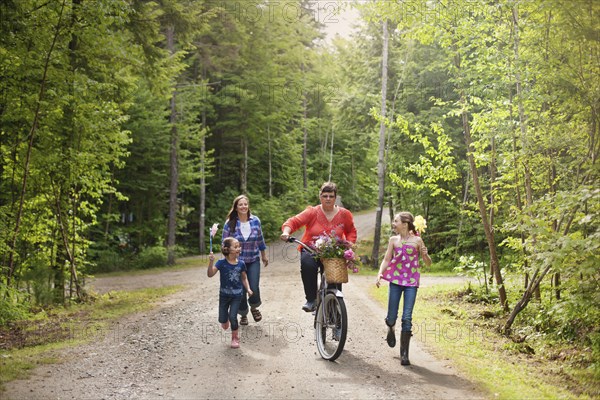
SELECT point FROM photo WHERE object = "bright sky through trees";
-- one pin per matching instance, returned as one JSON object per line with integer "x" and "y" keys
{"x": 338, "y": 18}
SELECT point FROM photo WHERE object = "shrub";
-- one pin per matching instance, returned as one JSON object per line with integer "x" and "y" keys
{"x": 107, "y": 260}
{"x": 11, "y": 307}
{"x": 151, "y": 257}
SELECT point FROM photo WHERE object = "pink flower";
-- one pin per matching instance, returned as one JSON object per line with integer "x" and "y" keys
{"x": 349, "y": 254}
{"x": 331, "y": 246}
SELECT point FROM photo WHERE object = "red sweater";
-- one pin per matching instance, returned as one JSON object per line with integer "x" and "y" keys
{"x": 316, "y": 223}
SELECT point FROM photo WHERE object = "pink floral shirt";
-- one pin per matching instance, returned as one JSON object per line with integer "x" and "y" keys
{"x": 403, "y": 268}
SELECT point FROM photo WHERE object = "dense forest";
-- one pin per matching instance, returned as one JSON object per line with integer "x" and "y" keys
{"x": 127, "y": 127}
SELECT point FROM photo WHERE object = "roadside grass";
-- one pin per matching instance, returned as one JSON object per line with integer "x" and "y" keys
{"x": 467, "y": 335}
{"x": 181, "y": 264}
{"x": 27, "y": 344}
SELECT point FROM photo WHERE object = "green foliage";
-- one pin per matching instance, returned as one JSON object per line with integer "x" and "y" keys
{"x": 12, "y": 305}
{"x": 72, "y": 113}
{"x": 271, "y": 217}
{"x": 264, "y": 107}
{"x": 480, "y": 294}
{"x": 469, "y": 267}
{"x": 434, "y": 166}
{"x": 40, "y": 280}
{"x": 594, "y": 339}
{"x": 151, "y": 257}
{"x": 106, "y": 260}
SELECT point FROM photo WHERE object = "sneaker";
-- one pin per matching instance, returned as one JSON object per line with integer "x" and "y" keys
{"x": 309, "y": 306}
{"x": 244, "y": 320}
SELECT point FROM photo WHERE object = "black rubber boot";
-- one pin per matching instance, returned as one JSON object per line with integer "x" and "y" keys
{"x": 404, "y": 343}
{"x": 391, "y": 335}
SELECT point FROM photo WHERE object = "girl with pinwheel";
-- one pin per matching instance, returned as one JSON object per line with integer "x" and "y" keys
{"x": 234, "y": 283}
{"x": 401, "y": 268}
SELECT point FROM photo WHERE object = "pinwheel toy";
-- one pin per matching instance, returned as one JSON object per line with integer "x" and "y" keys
{"x": 213, "y": 232}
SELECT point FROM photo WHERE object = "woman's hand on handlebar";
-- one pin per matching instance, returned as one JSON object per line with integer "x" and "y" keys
{"x": 285, "y": 233}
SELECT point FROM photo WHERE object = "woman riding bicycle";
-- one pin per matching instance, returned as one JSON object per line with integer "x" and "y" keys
{"x": 327, "y": 218}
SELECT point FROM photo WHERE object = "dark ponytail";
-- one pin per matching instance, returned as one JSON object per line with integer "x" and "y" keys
{"x": 227, "y": 244}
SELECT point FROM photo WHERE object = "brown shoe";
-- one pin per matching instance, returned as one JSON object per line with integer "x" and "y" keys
{"x": 256, "y": 314}
{"x": 244, "y": 320}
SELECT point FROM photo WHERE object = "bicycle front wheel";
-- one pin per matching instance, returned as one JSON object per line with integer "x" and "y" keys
{"x": 331, "y": 327}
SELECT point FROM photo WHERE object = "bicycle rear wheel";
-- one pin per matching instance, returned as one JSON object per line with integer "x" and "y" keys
{"x": 331, "y": 327}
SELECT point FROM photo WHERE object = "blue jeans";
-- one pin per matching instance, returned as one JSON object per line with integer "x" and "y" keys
{"x": 228, "y": 309}
{"x": 254, "y": 280}
{"x": 395, "y": 293}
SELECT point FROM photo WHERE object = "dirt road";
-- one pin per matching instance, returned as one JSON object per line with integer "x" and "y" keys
{"x": 177, "y": 351}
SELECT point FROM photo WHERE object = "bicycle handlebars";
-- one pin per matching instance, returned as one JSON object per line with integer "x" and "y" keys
{"x": 292, "y": 239}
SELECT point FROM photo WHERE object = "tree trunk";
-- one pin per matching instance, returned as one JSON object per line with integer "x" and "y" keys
{"x": 270, "y": 162}
{"x": 202, "y": 219}
{"x": 555, "y": 224}
{"x": 331, "y": 156}
{"x": 518, "y": 200}
{"x": 353, "y": 173}
{"x": 324, "y": 148}
{"x": 381, "y": 160}
{"x": 69, "y": 255}
{"x": 489, "y": 234}
{"x": 492, "y": 179}
{"x": 390, "y": 194}
{"x": 72, "y": 189}
{"x": 391, "y": 206}
{"x": 173, "y": 188}
{"x": 305, "y": 145}
{"x": 460, "y": 222}
{"x": 244, "y": 166}
{"x": 522, "y": 303}
{"x": 108, "y": 212}
{"x": 522, "y": 124}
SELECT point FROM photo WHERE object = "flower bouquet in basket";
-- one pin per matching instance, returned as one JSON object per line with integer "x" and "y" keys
{"x": 337, "y": 257}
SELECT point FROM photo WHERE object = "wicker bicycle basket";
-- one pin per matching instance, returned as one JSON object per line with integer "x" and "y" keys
{"x": 335, "y": 270}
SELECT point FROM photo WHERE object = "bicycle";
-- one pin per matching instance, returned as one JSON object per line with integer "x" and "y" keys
{"x": 331, "y": 318}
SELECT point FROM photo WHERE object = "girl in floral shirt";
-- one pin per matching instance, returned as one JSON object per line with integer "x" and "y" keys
{"x": 401, "y": 268}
